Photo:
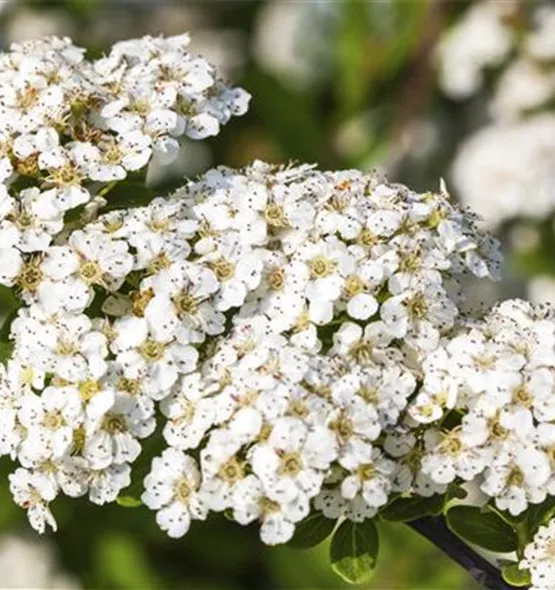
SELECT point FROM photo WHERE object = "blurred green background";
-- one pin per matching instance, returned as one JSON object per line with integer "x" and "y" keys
{"x": 344, "y": 84}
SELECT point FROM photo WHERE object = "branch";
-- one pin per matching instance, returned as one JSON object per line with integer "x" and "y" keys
{"x": 436, "y": 531}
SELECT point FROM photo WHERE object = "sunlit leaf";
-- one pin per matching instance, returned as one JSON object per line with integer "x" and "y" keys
{"x": 354, "y": 551}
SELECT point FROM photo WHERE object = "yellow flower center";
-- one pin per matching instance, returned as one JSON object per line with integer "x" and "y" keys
{"x": 114, "y": 423}
{"x": 88, "y": 389}
{"x": 275, "y": 215}
{"x": 53, "y": 420}
{"x": 183, "y": 491}
{"x": 91, "y": 272}
{"x": 185, "y": 304}
{"x": 152, "y": 351}
{"x": 276, "y": 279}
{"x": 232, "y": 471}
{"x": 290, "y": 464}
{"x": 321, "y": 267}
{"x": 31, "y": 275}
{"x": 223, "y": 268}
{"x": 139, "y": 301}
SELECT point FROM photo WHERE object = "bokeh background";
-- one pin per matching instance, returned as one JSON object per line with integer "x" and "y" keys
{"x": 421, "y": 89}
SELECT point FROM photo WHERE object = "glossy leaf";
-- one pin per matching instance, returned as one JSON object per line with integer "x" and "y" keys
{"x": 310, "y": 532}
{"x": 403, "y": 509}
{"x": 483, "y": 528}
{"x": 354, "y": 551}
{"x": 514, "y": 576}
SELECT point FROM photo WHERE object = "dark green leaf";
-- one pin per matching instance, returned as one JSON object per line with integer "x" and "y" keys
{"x": 9, "y": 306}
{"x": 483, "y": 528}
{"x": 312, "y": 531}
{"x": 6, "y": 350}
{"x": 128, "y": 195}
{"x": 403, "y": 509}
{"x": 455, "y": 492}
{"x": 354, "y": 550}
{"x": 538, "y": 514}
{"x": 515, "y": 576}
{"x": 129, "y": 501}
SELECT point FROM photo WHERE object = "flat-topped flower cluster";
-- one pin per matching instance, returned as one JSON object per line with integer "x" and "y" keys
{"x": 292, "y": 340}
{"x": 69, "y": 127}
{"x": 271, "y": 321}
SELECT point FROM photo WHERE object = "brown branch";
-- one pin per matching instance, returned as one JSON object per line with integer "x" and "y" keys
{"x": 436, "y": 531}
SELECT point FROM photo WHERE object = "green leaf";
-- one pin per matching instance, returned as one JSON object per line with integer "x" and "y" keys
{"x": 6, "y": 350}
{"x": 539, "y": 514}
{"x": 403, "y": 509}
{"x": 515, "y": 576}
{"x": 129, "y": 501}
{"x": 128, "y": 195}
{"x": 312, "y": 531}
{"x": 354, "y": 550}
{"x": 483, "y": 528}
{"x": 9, "y": 307}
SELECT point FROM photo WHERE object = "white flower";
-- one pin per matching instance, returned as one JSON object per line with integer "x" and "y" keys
{"x": 105, "y": 484}
{"x": 182, "y": 305}
{"x": 370, "y": 475}
{"x": 190, "y": 412}
{"x": 111, "y": 439}
{"x": 157, "y": 363}
{"x": 539, "y": 558}
{"x": 49, "y": 421}
{"x": 420, "y": 316}
{"x": 329, "y": 264}
{"x": 251, "y": 503}
{"x": 33, "y": 491}
{"x": 479, "y": 40}
{"x": 366, "y": 346}
{"x": 171, "y": 488}
{"x": 294, "y": 460}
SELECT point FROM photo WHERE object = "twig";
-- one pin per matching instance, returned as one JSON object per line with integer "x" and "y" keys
{"x": 436, "y": 531}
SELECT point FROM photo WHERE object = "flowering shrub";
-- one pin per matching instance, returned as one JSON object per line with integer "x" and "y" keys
{"x": 277, "y": 343}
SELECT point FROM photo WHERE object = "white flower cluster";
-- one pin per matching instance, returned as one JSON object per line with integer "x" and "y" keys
{"x": 273, "y": 323}
{"x": 539, "y": 558}
{"x": 498, "y": 377}
{"x": 505, "y": 169}
{"x": 479, "y": 40}
{"x": 69, "y": 127}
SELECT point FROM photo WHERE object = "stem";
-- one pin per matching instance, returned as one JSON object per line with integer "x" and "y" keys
{"x": 106, "y": 189}
{"x": 435, "y": 530}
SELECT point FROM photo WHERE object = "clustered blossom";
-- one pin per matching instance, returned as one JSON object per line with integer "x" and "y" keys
{"x": 539, "y": 558}
{"x": 294, "y": 338}
{"x": 497, "y": 375}
{"x": 270, "y": 322}
{"x": 504, "y": 170}
{"x": 70, "y": 128}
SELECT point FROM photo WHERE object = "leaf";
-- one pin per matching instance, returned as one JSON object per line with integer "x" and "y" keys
{"x": 128, "y": 195}
{"x": 129, "y": 501}
{"x": 455, "y": 492}
{"x": 483, "y": 528}
{"x": 514, "y": 576}
{"x": 403, "y": 509}
{"x": 6, "y": 350}
{"x": 539, "y": 514}
{"x": 354, "y": 551}
{"x": 311, "y": 531}
{"x": 9, "y": 307}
